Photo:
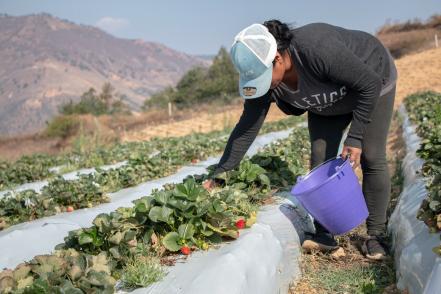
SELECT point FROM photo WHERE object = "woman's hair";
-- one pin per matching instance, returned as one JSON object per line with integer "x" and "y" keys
{"x": 281, "y": 32}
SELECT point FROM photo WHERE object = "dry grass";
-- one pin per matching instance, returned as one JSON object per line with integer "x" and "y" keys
{"x": 413, "y": 41}
{"x": 418, "y": 72}
{"x": 351, "y": 273}
{"x": 199, "y": 121}
{"x": 12, "y": 149}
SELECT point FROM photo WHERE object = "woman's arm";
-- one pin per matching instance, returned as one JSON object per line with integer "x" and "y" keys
{"x": 244, "y": 133}
{"x": 341, "y": 65}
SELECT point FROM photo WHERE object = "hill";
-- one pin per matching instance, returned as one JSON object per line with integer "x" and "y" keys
{"x": 410, "y": 36}
{"x": 46, "y": 61}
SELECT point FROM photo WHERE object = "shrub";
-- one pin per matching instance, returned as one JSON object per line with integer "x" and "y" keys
{"x": 62, "y": 126}
{"x": 96, "y": 104}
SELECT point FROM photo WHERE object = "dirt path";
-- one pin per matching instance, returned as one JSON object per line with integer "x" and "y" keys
{"x": 418, "y": 72}
{"x": 350, "y": 272}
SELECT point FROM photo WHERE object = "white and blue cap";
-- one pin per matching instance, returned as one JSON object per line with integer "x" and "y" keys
{"x": 252, "y": 53}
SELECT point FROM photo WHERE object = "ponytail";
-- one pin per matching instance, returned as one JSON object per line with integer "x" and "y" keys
{"x": 281, "y": 32}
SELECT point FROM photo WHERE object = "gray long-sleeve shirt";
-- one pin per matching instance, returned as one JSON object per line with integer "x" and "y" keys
{"x": 339, "y": 71}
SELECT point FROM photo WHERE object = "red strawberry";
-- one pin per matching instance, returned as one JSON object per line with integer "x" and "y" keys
{"x": 194, "y": 160}
{"x": 185, "y": 250}
{"x": 69, "y": 208}
{"x": 240, "y": 224}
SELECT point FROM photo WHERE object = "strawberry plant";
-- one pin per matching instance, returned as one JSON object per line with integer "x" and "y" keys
{"x": 63, "y": 272}
{"x": 178, "y": 218}
{"x": 425, "y": 111}
{"x": 57, "y": 196}
{"x": 60, "y": 195}
{"x": 39, "y": 166}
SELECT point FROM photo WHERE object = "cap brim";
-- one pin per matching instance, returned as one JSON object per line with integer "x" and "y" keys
{"x": 261, "y": 84}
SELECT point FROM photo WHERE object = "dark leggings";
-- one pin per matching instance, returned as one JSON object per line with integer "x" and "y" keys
{"x": 326, "y": 133}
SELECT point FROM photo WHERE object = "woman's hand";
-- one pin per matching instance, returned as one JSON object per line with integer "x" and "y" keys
{"x": 209, "y": 184}
{"x": 354, "y": 155}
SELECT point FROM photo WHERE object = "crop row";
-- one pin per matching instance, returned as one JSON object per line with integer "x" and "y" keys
{"x": 129, "y": 243}
{"x": 425, "y": 111}
{"x": 41, "y": 166}
{"x": 61, "y": 195}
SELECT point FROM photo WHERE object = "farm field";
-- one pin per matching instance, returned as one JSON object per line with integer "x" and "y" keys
{"x": 179, "y": 217}
{"x": 129, "y": 246}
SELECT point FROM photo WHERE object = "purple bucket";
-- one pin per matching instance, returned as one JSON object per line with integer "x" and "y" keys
{"x": 332, "y": 195}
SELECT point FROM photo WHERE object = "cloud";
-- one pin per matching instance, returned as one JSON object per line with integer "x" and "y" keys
{"x": 112, "y": 24}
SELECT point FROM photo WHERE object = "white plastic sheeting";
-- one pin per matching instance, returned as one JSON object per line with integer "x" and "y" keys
{"x": 263, "y": 260}
{"x": 23, "y": 241}
{"x": 418, "y": 268}
{"x": 37, "y": 186}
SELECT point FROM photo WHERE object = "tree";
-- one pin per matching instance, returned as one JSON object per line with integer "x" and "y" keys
{"x": 106, "y": 95}
{"x": 96, "y": 104}
{"x": 217, "y": 83}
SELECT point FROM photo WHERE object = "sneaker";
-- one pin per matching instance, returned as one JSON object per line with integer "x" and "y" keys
{"x": 321, "y": 241}
{"x": 374, "y": 248}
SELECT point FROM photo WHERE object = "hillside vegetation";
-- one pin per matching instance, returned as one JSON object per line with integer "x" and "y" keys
{"x": 218, "y": 83}
{"x": 402, "y": 38}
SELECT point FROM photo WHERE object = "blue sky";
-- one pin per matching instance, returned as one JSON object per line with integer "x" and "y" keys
{"x": 201, "y": 27}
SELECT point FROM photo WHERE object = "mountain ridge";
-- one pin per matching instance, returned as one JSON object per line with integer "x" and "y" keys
{"x": 46, "y": 61}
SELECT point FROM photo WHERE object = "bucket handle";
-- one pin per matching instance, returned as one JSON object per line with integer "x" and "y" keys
{"x": 337, "y": 168}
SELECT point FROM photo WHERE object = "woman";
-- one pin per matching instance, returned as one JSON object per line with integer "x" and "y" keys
{"x": 339, "y": 77}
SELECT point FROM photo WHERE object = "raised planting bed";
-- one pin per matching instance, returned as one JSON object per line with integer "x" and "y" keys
{"x": 264, "y": 259}
{"x": 180, "y": 217}
{"x": 415, "y": 235}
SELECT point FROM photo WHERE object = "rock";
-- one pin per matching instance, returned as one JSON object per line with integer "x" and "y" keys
{"x": 339, "y": 253}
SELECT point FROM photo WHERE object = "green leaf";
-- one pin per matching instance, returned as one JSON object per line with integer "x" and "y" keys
{"x": 181, "y": 204}
{"x": 264, "y": 179}
{"x": 85, "y": 238}
{"x": 435, "y": 205}
{"x": 224, "y": 232}
{"x": 189, "y": 190}
{"x": 143, "y": 204}
{"x": 206, "y": 232}
{"x": 218, "y": 205}
{"x": 115, "y": 252}
{"x": 40, "y": 285}
{"x": 161, "y": 197}
{"x": 116, "y": 238}
{"x": 240, "y": 186}
{"x": 186, "y": 231}
{"x": 171, "y": 240}
{"x": 215, "y": 238}
{"x": 102, "y": 222}
{"x": 129, "y": 235}
{"x": 161, "y": 213}
{"x": 146, "y": 239}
